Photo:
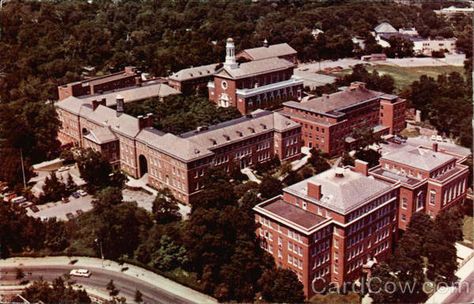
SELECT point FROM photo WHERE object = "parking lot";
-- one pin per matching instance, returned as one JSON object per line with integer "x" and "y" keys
{"x": 61, "y": 210}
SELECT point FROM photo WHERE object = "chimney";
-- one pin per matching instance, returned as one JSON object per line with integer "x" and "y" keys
{"x": 314, "y": 190}
{"x": 103, "y": 102}
{"x": 120, "y": 101}
{"x": 130, "y": 70}
{"x": 149, "y": 120}
{"x": 138, "y": 81}
{"x": 95, "y": 104}
{"x": 361, "y": 167}
{"x": 92, "y": 89}
{"x": 339, "y": 172}
{"x": 435, "y": 147}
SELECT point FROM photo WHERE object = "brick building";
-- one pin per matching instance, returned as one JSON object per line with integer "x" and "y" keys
{"x": 327, "y": 227}
{"x": 193, "y": 79}
{"x": 261, "y": 83}
{"x": 282, "y": 50}
{"x": 167, "y": 160}
{"x": 126, "y": 78}
{"x": 328, "y": 121}
{"x": 430, "y": 180}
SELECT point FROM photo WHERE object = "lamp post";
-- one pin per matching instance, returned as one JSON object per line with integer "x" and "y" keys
{"x": 99, "y": 243}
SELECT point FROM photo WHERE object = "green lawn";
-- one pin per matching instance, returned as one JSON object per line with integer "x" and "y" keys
{"x": 404, "y": 76}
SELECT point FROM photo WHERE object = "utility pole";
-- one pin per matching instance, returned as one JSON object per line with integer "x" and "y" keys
{"x": 22, "y": 167}
{"x": 101, "y": 252}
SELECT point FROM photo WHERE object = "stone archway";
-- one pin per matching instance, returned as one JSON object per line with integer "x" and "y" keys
{"x": 143, "y": 165}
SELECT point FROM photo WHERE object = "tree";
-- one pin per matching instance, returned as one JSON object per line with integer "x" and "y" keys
{"x": 381, "y": 277}
{"x": 57, "y": 292}
{"x": 399, "y": 47}
{"x": 107, "y": 198}
{"x": 138, "y": 296}
{"x": 97, "y": 171}
{"x": 169, "y": 255}
{"x": 70, "y": 184}
{"x": 53, "y": 189}
{"x": 281, "y": 286}
{"x": 270, "y": 187}
{"x": 113, "y": 291}
{"x": 318, "y": 161}
{"x": 165, "y": 207}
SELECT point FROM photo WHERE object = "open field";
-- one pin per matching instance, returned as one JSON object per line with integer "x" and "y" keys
{"x": 404, "y": 76}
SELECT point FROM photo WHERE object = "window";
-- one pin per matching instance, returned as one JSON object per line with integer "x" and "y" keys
{"x": 432, "y": 197}
{"x": 420, "y": 200}
{"x": 404, "y": 203}
{"x": 404, "y": 218}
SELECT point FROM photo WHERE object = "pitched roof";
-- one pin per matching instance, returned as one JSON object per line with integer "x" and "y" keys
{"x": 333, "y": 104}
{"x": 341, "y": 194}
{"x": 172, "y": 144}
{"x": 135, "y": 93}
{"x": 274, "y": 50}
{"x": 118, "y": 122}
{"x": 385, "y": 27}
{"x": 258, "y": 122}
{"x": 195, "y": 72}
{"x": 421, "y": 158}
{"x": 101, "y": 135}
{"x": 253, "y": 68}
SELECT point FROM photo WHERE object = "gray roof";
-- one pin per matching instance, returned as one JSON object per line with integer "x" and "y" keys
{"x": 101, "y": 135}
{"x": 136, "y": 93}
{"x": 195, "y": 72}
{"x": 341, "y": 194}
{"x": 258, "y": 122}
{"x": 333, "y": 104}
{"x": 119, "y": 122}
{"x": 274, "y": 50}
{"x": 172, "y": 144}
{"x": 385, "y": 27}
{"x": 257, "y": 67}
{"x": 421, "y": 158}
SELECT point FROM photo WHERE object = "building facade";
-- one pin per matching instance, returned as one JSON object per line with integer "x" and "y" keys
{"x": 329, "y": 121}
{"x": 194, "y": 79}
{"x": 175, "y": 162}
{"x": 262, "y": 83}
{"x": 327, "y": 227}
{"x": 430, "y": 180}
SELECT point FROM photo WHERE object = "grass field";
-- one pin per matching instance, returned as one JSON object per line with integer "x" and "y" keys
{"x": 404, "y": 76}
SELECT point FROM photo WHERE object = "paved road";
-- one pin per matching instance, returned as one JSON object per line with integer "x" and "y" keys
{"x": 464, "y": 293}
{"x": 98, "y": 280}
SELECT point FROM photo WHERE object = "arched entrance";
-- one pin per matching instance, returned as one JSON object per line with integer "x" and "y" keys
{"x": 143, "y": 165}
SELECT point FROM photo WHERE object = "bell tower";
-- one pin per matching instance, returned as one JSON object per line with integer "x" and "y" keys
{"x": 230, "y": 54}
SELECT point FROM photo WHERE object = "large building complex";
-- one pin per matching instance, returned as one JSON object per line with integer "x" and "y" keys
{"x": 261, "y": 83}
{"x": 327, "y": 227}
{"x": 176, "y": 162}
{"x": 329, "y": 121}
{"x": 430, "y": 181}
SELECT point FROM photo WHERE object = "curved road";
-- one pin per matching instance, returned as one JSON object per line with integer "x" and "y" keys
{"x": 98, "y": 280}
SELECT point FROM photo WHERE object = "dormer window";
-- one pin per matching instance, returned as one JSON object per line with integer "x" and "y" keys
{"x": 227, "y": 137}
{"x": 214, "y": 142}
{"x": 264, "y": 126}
{"x": 239, "y": 133}
{"x": 252, "y": 130}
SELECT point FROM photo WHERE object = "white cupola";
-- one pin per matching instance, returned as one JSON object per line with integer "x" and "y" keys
{"x": 230, "y": 54}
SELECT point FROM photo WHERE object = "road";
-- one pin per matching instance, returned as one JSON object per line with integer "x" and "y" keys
{"x": 464, "y": 293}
{"x": 98, "y": 280}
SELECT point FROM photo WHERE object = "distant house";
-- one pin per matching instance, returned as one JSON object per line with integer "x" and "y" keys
{"x": 453, "y": 11}
{"x": 421, "y": 46}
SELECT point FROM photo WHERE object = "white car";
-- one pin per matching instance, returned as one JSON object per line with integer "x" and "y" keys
{"x": 80, "y": 273}
{"x": 439, "y": 138}
{"x": 433, "y": 137}
{"x": 82, "y": 192}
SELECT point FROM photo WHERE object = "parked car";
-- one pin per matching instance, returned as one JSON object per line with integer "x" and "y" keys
{"x": 34, "y": 209}
{"x": 65, "y": 200}
{"x": 75, "y": 195}
{"x": 433, "y": 137}
{"x": 70, "y": 216}
{"x": 82, "y": 192}
{"x": 439, "y": 138}
{"x": 80, "y": 273}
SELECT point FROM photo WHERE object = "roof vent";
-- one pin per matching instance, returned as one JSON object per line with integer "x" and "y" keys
{"x": 196, "y": 151}
{"x": 239, "y": 133}
{"x": 339, "y": 172}
{"x": 264, "y": 126}
{"x": 227, "y": 137}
